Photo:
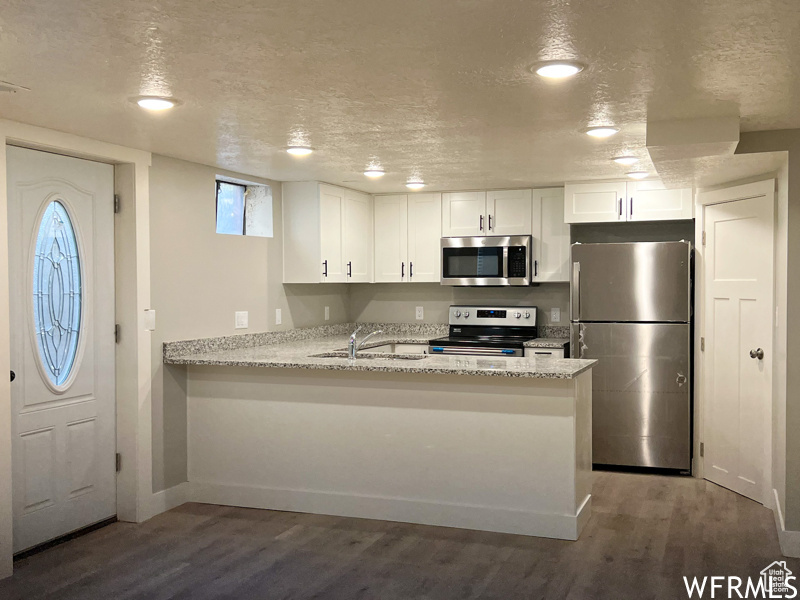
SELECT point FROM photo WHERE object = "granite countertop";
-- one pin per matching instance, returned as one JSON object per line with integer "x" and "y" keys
{"x": 302, "y": 350}
{"x": 547, "y": 343}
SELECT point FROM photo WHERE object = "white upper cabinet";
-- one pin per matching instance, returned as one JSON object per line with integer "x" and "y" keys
{"x": 331, "y": 219}
{"x": 464, "y": 214}
{"x": 594, "y": 202}
{"x": 508, "y": 212}
{"x": 391, "y": 238}
{"x": 408, "y": 229}
{"x": 651, "y": 201}
{"x": 550, "y": 236}
{"x": 327, "y": 234}
{"x": 505, "y": 212}
{"x": 357, "y": 234}
{"x": 424, "y": 237}
{"x": 625, "y": 201}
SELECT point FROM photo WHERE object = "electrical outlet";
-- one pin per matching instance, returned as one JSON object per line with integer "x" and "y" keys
{"x": 327, "y": 313}
{"x": 277, "y": 316}
{"x": 420, "y": 313}
{"x": 555, "y": 315}
{"x": 240, "y": 319}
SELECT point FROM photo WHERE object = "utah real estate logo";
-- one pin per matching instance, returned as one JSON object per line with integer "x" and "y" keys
{"x": 776, "y": 581}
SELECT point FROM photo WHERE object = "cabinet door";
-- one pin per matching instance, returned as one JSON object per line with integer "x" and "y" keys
{"x": 391, "y": 238}
{"x": 508, "y": 212}
{"x": 424, "y": 237}
{"x": 651, "y": 201}
{"x": 594, "y": 202}
{"x": 331, "y": 218}
{"x": 464, "y": 214}
{"x": 358, "y": 237}
{"x": 551, "y": 236}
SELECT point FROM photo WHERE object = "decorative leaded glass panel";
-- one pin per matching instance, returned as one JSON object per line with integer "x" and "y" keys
{"x": 57, "y": 293}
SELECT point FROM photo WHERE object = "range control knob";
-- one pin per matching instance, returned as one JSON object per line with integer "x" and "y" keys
{"x": 457, "y": 313}
{"x": 466, "y": 314}
{"x": 527, "y": 315}
{"x": 517, "y": 315}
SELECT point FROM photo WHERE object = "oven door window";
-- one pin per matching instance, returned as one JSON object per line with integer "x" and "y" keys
{"x": 472, "y": 262}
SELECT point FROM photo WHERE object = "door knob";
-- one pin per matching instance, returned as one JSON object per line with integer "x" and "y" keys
{"x": 757, "y": 353}
{"x": 13, "y": 376}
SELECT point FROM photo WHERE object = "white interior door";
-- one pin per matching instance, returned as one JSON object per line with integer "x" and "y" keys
{"x": 391, "y": 238}
{"x": 331, "y": 218}
{"x": 424, "y": 237}
{"x": 738, "y": 300}
{"x": 61, "y": 250}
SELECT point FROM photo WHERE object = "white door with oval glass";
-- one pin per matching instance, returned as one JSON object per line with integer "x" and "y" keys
{"x": 61, "y": 251}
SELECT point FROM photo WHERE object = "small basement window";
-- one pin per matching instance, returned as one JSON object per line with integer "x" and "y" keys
{"x": 244, "y": 208}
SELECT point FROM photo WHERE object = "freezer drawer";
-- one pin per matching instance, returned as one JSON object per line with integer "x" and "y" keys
{"x": 641, "y": 402}
{"x": 645, "y": 281}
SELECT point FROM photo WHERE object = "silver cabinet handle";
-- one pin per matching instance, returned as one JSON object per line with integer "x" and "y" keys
{"x": 631, "y": 207}
{"x": 620, "y": 207}
{"x": 402, "y": 270}
{"x": 481, "y": 223}
{"x": 490, "y": 222}
{"x": 757, "y": 353}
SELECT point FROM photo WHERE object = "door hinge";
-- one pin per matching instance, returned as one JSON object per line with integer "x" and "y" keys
{"x": 702, "y": 449}
{"x": 116, "y": 203}
{"x": 702, "y": 344}
{"x": 118, "y": 462}
{"x": 116, "y": 333}
{"x": 704, "y": 238}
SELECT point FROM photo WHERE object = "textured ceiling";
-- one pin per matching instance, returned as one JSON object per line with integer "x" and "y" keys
{"x": 440, "y": 88}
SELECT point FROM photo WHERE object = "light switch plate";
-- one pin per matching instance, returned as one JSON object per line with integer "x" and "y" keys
{"x": 420, "y": 313}
{"x": 277, "y": 316}
{"x": 150, "y": 319}
{"x": 555, "y": 315}
{"x": 240, "y": 319}
{"x": 327, "y": 313}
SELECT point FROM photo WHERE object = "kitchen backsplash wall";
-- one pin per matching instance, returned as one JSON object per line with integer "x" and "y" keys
{"x": 396, "y": 302}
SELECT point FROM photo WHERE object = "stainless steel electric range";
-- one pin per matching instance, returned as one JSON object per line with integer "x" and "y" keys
{"x": 487, "y": 331}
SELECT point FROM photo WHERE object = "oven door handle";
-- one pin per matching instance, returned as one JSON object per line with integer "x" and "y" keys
{"x": 473, "y": 351}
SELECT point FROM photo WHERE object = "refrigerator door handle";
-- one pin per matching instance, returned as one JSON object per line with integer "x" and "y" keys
{"x": 576, "y": 291}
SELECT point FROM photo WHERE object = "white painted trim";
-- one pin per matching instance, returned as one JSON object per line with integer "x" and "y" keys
{"x": 405, "y": 510}
{"x": 134, "y": 434}
{"x": 732, "y": 193}
{"x": 789, "y": 540}
{"x": 167, "y": 500}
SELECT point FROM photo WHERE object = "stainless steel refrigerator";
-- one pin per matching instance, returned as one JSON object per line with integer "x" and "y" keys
{"x": 631, "y": 310}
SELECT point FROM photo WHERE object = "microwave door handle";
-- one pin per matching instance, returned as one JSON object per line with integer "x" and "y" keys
{"x": 505, "y": 262}
{"x": 576, "y": 291}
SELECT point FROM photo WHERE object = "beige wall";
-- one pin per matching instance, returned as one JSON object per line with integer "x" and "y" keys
{"x": 396, "y": 302}
{"x": 199, "y": 279}
{"x": 786, "y": 397}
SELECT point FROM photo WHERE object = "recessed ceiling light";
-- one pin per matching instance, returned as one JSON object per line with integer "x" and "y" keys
{"x": 625, "y": 160}
{"x": 156, "y": 103}
{"x": 557, "y": 69}
{"x": 374, "y": 172}
{"x": 602, "y": 131}
{"x": 637, "y": 174}
{"x": 299, "y": 150}
{"x": 415, "y": 185}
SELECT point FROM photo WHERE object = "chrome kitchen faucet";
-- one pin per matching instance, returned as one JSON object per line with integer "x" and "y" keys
{"x": 353, "y": 348}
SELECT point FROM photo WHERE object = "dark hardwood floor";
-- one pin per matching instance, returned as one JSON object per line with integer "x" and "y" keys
{"x": 645, "y": 534}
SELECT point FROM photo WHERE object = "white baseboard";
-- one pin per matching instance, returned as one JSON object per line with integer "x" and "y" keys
{"x": 166, "y": 500}
{"x": 405, "y": 510}
{"x": 789, "y": 540}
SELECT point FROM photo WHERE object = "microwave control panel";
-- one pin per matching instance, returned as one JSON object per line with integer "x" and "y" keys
{"x": 517, "y": 261}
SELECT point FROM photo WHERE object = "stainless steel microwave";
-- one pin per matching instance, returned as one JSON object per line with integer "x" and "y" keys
{"x": 490, "y": 261}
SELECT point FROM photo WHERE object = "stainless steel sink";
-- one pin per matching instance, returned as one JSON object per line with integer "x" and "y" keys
{"x": 367, "y": 354}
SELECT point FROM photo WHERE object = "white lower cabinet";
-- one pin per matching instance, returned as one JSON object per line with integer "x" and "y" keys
{"x": 408, "y": 229}
{"x": 544, "y": 353}
{"x": 620, "y": 201}
{"x": 551, "y": 240}
{"x": 327, "y": 234}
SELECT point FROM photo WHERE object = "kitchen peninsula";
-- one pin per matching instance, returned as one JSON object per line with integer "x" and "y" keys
{"x": 283, "y": 421}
